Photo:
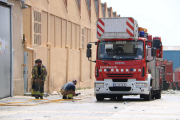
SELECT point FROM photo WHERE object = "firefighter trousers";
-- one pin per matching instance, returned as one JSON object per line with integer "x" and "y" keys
{"x": 33, "y": 87}
{"x": 39, "y": 87}
{"x": 68, "y": 93}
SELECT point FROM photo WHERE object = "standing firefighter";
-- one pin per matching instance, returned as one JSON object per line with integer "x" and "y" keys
{"x": 33, "y": 85}
{"x": 68, "y": 90}
{"x": 39, "y": 73}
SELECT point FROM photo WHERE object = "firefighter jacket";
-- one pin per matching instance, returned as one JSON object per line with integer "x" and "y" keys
{"x": 42, "y": 74}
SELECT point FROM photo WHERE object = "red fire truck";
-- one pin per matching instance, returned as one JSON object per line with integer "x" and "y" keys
{"x": 125, "y": 62}
{"x": 167, "y": 73}
{"x": 176, "y": 79}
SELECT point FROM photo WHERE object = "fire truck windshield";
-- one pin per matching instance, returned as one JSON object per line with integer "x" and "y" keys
{"x": 120, "y": 50}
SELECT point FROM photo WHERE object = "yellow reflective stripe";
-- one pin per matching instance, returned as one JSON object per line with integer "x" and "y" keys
{"x": 32, "y": 92}
{"x": 43, "y": 68}
{"x": 37, "y": 93}
{"x": 70, "y": 95}
{"x": 41, "y": 94}
{"x": 33, "y": 75}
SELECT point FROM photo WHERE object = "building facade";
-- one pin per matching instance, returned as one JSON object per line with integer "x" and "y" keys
{"x": 56, "y": 31}
{"x": 172, "y": 53}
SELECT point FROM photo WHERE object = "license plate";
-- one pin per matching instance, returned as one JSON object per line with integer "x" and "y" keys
{"x": 119, "y": 84}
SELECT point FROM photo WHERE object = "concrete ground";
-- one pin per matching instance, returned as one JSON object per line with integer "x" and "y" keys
{"x": 131, "y": 107}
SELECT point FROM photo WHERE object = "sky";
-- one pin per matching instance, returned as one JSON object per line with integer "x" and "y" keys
{"x": 160, "y": 17}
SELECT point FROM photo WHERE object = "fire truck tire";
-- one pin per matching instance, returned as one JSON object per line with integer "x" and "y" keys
{"x": 148, "y": 97}
{"x": 177, "y": 87}
{"x": 99, "y": 97}
{"x": 141, "y": 96}
{"x": 120, "y": 97}
{"x": 158, "y": 94}
{"x": 173, "y": 87}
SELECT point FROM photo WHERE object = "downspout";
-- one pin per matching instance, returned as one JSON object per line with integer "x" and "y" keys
{"x": 67, "y": 65}
{"x": 49, "y": 56}
{"x": 80, "y": 64}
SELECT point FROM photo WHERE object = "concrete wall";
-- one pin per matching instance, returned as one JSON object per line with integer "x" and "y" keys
{"x": 171, "y": 47}
{"x": 57, "y": 33}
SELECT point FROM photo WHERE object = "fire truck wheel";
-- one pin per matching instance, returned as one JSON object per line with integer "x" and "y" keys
{"x": 120, "y": 97}
{"x": 174, "y": 87}
{"x": 158, "y": 94}
{"x": 148, "y": 97}
{"x": 178, "y": 88}
{"x": 99, "y": 97}
{"x": 141, "y": 96}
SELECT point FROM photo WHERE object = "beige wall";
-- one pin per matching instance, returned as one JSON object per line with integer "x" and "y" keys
{"x": 62, "y": 33}
{"x": 171, "y": 48}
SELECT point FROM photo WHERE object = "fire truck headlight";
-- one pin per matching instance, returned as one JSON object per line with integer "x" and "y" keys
{"x": 141, "y": 85}
{"x": 99, "y": 84}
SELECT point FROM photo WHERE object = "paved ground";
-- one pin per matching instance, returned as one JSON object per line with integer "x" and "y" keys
{"x": 131, "y": 107}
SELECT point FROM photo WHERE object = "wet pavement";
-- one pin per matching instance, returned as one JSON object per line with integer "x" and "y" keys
{"x": 131, "y": 107}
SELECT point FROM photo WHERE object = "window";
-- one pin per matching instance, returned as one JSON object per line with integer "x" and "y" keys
{"x": 120, "y": 50}
{"x": 37, "y": 27}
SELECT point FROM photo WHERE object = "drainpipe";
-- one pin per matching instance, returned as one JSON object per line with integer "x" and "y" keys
{"x": 67, "y": 65}
{"x": 49, "y": 56}
{"x": 80, "y": 64}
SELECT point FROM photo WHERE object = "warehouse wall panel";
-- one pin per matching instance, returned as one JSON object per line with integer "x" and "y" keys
{"x": 27, "y": 24}
{"x": 74, "y": 32}
{"x": 172, "y": 55}
{"x": 44, "y": 29}
{"x": 69, "y": 40}
{"x": 64, "y": 32}
{"x": 52, "y": 30}
{"x": 77, "y": 37}
{"x": 58, "y": 32}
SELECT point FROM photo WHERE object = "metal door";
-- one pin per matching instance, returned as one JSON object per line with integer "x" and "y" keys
{"x": 25, "y": 72}
{"x": 5, "y": 51}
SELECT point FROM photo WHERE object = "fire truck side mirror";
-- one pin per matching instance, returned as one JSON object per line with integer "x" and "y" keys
{"x": 88, "y": 54}
{"x": 89, "y": 46}
{"x": 153, "y": 52}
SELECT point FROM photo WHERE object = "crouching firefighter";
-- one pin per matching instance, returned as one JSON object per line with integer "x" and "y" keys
{"x": 39, "y": 74}
{"x": 68, "y": 90}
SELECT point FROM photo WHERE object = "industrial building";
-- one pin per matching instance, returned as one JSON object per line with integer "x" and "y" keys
{"x": 56, "y": 31}
{"x": 172, "y": 53}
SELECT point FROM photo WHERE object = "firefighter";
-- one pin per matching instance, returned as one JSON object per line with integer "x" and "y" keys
{"x": 39, "y": 73}
{"x": 68, "y": 90}
{"x": 33, "y": 85}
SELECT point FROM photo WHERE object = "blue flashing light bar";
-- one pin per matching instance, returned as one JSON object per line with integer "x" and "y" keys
{"x": 142, "y": 33}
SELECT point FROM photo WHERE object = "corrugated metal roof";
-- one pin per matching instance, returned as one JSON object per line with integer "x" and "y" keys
{"x": 96, "y": 4}
{"x": 109, "y": 12}
{"x": 172, "y": 55}
{"x": 103, "y": 9}
{"x": 88, "y": 3}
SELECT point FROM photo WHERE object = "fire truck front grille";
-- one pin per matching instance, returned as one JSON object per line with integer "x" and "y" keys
{"x": 119, "y": 75}
{"x": 119, "y": 88}
{"x": 119, "y": 80}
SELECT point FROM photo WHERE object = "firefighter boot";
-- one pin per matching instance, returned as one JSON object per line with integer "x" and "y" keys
{"x": 64, "y": 97}
{"x": 37, "y": 96}
{"x": 70, "y": 96}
